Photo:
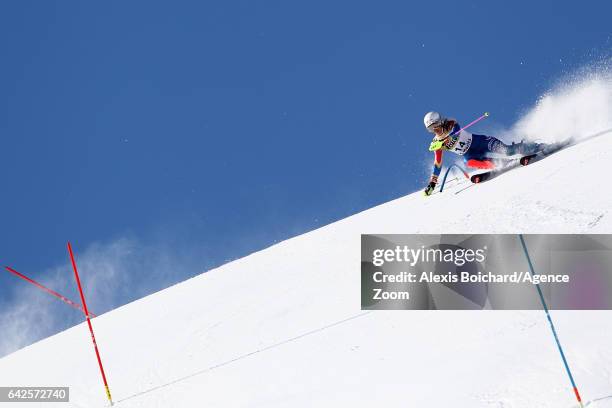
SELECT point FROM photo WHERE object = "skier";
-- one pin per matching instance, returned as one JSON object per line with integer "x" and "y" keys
{"x": 478, "y": 151}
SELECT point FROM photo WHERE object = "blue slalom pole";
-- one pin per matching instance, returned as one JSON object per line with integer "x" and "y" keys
{"x": 448, "y": 170}
{"x": 552, "y": 326}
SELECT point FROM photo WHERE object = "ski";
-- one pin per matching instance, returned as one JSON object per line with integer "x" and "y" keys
{"x": 481, "y": 177}
{"x": 525, "y": 160}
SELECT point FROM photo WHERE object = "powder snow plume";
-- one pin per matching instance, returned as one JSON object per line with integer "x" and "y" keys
{"x": 580, "y": 106}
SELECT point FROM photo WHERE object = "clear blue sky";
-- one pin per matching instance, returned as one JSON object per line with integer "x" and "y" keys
{"x": 219, "y": 128}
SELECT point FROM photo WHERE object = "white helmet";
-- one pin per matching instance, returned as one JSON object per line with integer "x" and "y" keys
{"x": 432, "y": 119}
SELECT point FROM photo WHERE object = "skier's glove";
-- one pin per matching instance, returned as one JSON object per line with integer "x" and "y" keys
{"x": 429, "y": 189}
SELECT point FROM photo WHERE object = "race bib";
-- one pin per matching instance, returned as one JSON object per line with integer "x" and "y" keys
{"x": 462, "y": 143}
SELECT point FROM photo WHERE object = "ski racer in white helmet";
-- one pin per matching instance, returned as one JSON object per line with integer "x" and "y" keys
{"x": 478, "y": 151}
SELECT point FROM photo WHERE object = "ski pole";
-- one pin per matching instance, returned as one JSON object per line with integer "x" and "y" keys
{"x": 484, "y": 115}
{"x": 552, "y": 326}
{"x": 44, "y": 288}
{"x": 437, "y": 144}
{"x": 93, "y": 337}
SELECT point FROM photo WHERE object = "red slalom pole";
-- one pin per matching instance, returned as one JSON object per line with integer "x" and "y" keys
{"x": 93, "y": 337}
{"x": 46, "y": 289}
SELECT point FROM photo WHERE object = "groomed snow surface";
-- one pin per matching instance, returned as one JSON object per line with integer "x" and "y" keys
{"x": 283, "y": 327}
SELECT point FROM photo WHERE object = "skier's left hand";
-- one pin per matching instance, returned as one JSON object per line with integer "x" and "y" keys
{"x": 429, "y": 189}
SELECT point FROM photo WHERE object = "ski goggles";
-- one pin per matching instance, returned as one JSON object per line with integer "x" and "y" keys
{"x": 431, "y": 128}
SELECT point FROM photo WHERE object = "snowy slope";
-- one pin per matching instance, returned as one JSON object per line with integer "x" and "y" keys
{"x": 283, "y": 326}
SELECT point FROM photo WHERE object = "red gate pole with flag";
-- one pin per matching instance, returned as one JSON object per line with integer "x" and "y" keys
{"x": 93, "y": 337}
{"x": 46, "y": 289}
